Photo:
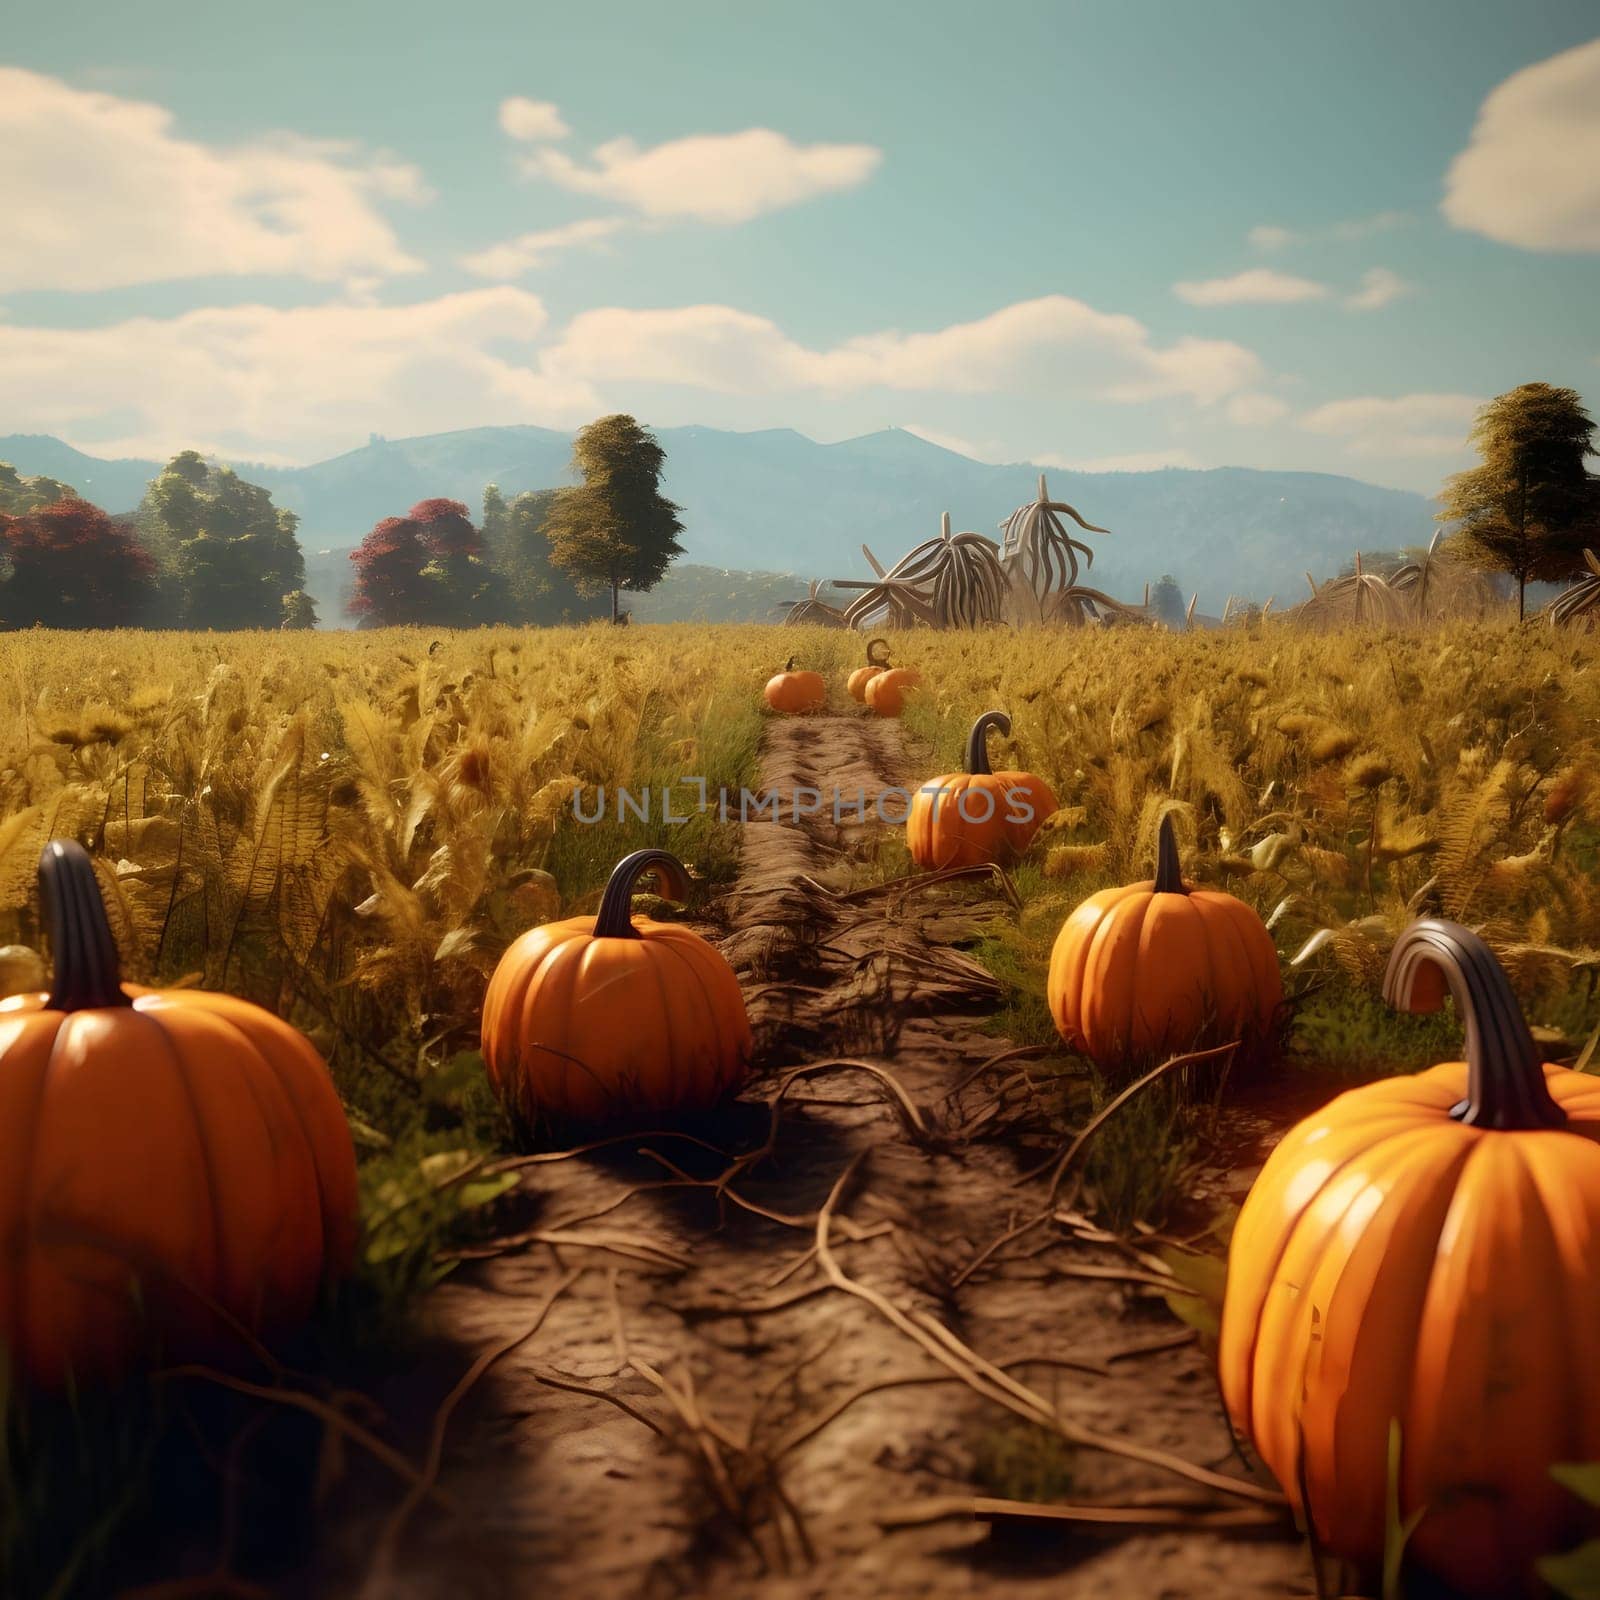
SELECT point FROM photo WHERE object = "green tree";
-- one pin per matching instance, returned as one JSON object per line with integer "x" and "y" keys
{"x": 299, "y": 611}
{"x": 531, "y": 589}
{"x": 19, "y": 495}
{"x": 615, "y": 530}
{"x": 227, "y": 556}
{"x": 1531, "y": 506}
{"x": 495, "y": 514}
{"x": 1166, "y": 600}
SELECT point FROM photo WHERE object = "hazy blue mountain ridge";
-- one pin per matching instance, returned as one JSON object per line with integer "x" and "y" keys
{"x": 775, "y": 501}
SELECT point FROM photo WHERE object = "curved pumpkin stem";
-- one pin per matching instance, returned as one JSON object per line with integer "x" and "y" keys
{"x": 88, "y": 975}
{"x": 1169, "y": 877}
{"x": 788, "y": 665}
{"x": 1505, "y": 1078}
{"x": 614, "y": 920}
{"x": 876, "y": 660}
{"x": 978, "y": 740}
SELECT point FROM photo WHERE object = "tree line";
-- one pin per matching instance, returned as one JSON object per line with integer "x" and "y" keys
{"x": 207, "y": 549}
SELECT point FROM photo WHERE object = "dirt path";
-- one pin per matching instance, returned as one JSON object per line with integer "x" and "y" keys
{"x": 781, "y": 1437}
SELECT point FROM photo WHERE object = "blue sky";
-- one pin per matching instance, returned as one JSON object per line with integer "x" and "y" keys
{"x": 1263, "y": 234}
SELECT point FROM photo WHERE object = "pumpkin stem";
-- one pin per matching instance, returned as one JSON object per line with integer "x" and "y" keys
{"x": 87, "y": 975}
{"x": 877, "y": 660}
{"x": 1505, "y": 1078}
{"x": 788, "y": 665}
{"x": 978, "y": 740}
{"x": 614, "y": 920}
{"x": 1169, "y": 878}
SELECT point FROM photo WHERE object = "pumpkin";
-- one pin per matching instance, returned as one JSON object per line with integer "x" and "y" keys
{"x": 964, "y": 818}
{"x": 1153, "y": 967}
{"x": 886, "y": 693}
{"x": 174, "y": 1165}
{"x": 858, "y": 680}
{"x": 792, "y": 691}
{"x": 595, "y": 1016}
{"x": 1423, "y": 1250}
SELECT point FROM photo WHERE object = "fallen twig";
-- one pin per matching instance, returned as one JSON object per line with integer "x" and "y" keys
{"x": 993, "y": 1384}
{"x": 1058, "y": 1166}
{"x": 1107, "y": 1519}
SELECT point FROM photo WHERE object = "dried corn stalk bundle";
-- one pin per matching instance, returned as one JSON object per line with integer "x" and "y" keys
{"x": 813, "y": 611}
{"x": 1079, "y": 606}
{"x": 952, "y": 581}
{"x": 1438, "y": 586}
{"x": 1039, "y": 555}
{"x": 1579, "y": 605}
{"x": 1363, "y": 598}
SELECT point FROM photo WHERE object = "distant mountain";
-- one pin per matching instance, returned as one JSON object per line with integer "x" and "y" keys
{"x": 776, "y": 500}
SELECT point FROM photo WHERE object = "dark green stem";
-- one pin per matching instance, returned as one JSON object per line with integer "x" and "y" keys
{"x": 978, "y": 740}
{"x": 1505, "y": 1077}
{"x": 87, "y": 975}
{"x": 788, "y": 665}
{"x": 1169, "y": 879}
{"x": 614, "y": 920}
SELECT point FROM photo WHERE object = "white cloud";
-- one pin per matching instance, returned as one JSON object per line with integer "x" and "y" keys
{"x": 1051, "y": 345}
{"x": 257, "y": 381}
{"x": 1405, "y": 425}
{"x": 1137, "y": 461}
{"x": 532, "y": 120}
{"x": 1256, "y": 286}
{"x": 1531, "y": 175}
{"x": 530, "y": 251}
{"x": 100, "y": 191}
{"x": 723, "y": 178}
{"x": 1269, "y": 236}
{"x": 1379, "y": 287}
{"x": 1255, "y": 410}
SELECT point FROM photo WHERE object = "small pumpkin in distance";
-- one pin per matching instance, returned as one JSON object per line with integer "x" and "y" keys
{"x": 1422, "y": 1250}
{"x": 886, "y": 693}
{"x": 174, "y": 1165}
{"x": 794, "y": 692}
{"x": 877, "y": 661}
{"x": 962, "y": 819}
{"x": 1154, "y": 967}
{"x": 607, "y": 1015}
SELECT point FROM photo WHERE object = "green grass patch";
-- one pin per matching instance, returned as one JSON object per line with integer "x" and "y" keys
{"x": 1352, "y": 1033}
{"x": 724, "y": 752}
{"x": 1138, "y": 1161}
{"x": 1017, "y": 1460}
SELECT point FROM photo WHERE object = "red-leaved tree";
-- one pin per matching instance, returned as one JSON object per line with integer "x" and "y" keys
{"x": 69, "y": 565}
{"x": 424, "y": 567}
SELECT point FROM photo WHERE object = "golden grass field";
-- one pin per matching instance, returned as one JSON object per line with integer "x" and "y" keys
{"x": 358, "y": 822}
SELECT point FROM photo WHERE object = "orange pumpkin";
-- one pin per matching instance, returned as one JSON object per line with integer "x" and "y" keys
{"x": 964, "y": 818}
{"x": 1423, "y": 1250}
{"x": 792, "y": 691}
{"x": 862, "y": 676}
{"x": 601, "y": 1015}
{"x": 173, "y": 1164}
{"x": 886, "y": 693}
{"x": 1156, "y": 966}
